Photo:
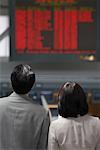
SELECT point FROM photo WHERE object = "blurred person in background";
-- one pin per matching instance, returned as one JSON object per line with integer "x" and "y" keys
{"x": 24, "y": 124}
{"x": 74, "y": 129}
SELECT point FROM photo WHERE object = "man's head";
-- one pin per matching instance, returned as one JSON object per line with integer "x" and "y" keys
{"x": 22, "y": 79}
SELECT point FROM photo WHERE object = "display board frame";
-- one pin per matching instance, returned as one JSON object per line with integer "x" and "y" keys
{"x": 51, "y": 57}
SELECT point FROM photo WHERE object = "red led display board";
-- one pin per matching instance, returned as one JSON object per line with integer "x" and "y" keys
{"x": 52, "y": 29}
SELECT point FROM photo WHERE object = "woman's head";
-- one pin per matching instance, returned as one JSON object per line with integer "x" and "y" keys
{"x": 72, "y": 100}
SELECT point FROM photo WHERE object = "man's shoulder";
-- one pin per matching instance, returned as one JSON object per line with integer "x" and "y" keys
{"x": 25, "y": 104}
{"x": 3, "y": 99}
{"x": 35, "y": 106}
{"x": 3, "y": 103}
{"x": 38, "y": 108}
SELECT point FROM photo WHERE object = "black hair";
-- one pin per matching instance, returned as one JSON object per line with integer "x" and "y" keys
{"x": 22, "y": 79}
{"x": 72, "y": 100}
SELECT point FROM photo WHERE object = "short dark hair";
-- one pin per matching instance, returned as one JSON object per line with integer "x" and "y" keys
{"x": 22, "y": 79}
{"x": 72, "y": 100}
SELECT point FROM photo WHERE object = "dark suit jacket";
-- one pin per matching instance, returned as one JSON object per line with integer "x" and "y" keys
{"x": 23, "y": 124}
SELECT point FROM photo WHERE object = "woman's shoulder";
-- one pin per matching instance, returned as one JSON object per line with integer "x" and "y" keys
{"x": 87, "y": 118}
{"x": 60, "y": 121}
{"x": 94, "y": 118}
{"x": 92, "y": 121}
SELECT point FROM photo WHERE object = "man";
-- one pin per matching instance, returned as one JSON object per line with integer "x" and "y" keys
{"x": 23, "y": 123}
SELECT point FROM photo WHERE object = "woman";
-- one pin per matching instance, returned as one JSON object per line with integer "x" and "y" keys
{"x": 75, "y": 129}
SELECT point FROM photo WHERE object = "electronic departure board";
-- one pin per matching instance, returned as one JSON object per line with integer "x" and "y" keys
{"x": 53, "y": 30}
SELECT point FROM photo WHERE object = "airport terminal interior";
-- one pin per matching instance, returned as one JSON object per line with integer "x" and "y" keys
{"x": 60, "y": 40}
